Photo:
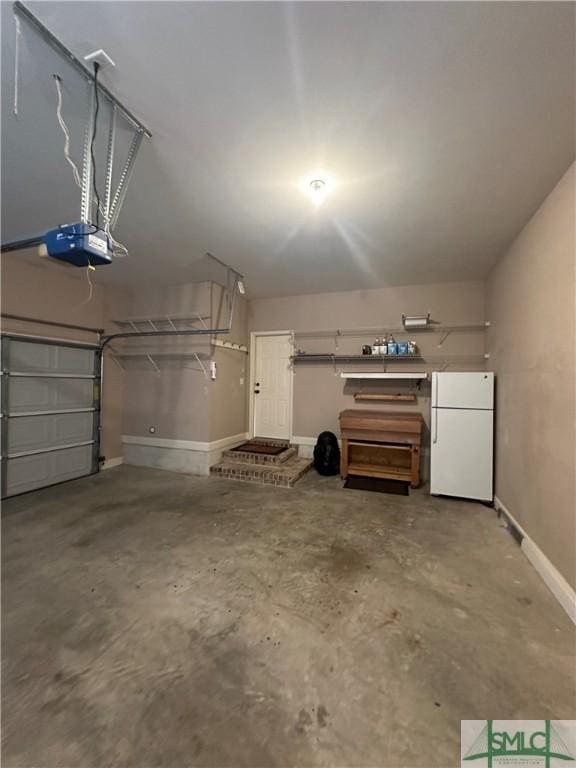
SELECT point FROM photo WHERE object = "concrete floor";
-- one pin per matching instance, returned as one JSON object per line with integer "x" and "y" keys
{"x": 154, "y": 619}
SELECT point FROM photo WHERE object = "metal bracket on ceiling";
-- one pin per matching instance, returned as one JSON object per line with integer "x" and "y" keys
{"x": 110, "y": 163}
{"x": 16, "y": 63}
{"x": 86, "y": 198}
{"x": 112, "y": 206}
{"x": 22, "y": 12}
{"x": 125, "y": 177}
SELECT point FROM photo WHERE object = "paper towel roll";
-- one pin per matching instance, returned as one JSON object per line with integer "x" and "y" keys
{"x": 415, "y": 321}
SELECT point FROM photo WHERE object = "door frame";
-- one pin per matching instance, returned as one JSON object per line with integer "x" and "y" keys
{"x": 251, "y": 409}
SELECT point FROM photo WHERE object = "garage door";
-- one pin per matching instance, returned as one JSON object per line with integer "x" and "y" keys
{"x": 50, "y": 412}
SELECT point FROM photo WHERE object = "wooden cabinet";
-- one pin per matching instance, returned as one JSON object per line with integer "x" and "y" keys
{"x": 381, "y": 444}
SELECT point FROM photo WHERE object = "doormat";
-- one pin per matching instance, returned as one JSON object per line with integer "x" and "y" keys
{"x": 252, "y": 446}
{"x": 377, "y": 484}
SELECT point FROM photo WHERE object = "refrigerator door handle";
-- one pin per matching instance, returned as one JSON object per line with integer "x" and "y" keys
{"x": 436, "y": 391}
{"x": 435, "y": 425}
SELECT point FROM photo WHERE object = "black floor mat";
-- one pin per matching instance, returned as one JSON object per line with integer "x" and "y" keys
{"x": 263, "y": 448}
{"x": 377, "y": 484}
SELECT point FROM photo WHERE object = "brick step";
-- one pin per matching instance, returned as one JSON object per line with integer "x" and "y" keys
{"x": 237, "y": 457}
{"x": 285, "y": 474}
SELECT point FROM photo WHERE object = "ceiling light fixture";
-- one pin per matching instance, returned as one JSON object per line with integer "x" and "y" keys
{"x": 317, "y": 191}
{"x": 316, "y": 187}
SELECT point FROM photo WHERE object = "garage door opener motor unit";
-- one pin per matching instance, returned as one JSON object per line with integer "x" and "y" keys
{"x": 79, "y": 244}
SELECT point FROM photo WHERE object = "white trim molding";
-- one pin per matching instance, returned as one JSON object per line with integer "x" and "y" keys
{"x": 305, "y": 446}
{"x": 304, "y": 440}
{"x": 553, "y": 579}
{"x": 188, "y": 456}
{"x": 111, "y": 463}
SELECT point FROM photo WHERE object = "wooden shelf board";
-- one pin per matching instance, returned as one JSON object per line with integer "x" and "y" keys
{"x": 408, "y": 398}
{"x": 370, "y": 470}
{"x": 328, "y": 357}
{"x": 377, "y": 445}
{"x": 386, "y": 375}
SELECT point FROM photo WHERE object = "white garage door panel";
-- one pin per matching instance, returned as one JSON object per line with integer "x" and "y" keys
{"x": 50, "y": 358}
{"x": 33, "y": 433}
{"x": 50, "y": 413}
{"x": 30, "y": 395}
{"x": 31, "y": 472}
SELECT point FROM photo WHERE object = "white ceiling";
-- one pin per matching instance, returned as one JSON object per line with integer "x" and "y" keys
{"x": 444, "y": 126}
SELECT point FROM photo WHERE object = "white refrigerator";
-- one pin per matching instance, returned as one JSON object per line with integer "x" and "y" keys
{"x": 462, "y": 439}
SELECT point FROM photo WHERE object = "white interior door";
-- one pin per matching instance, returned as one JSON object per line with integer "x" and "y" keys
{"x": 461, "y": 455}
{"x": 272, "y": 386}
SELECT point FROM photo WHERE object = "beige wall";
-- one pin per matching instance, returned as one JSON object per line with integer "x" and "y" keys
{"x": 319, "y": 394}
{"x": 178, "y": 401}
{"x": 532, "y": 342}
{"x": 33, "y": 287}
{"x": 174, "y": 401}
{"x": 228, "y": 406}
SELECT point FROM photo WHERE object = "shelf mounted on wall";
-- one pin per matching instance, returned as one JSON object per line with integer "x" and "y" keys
{"x": 408, "y": 375}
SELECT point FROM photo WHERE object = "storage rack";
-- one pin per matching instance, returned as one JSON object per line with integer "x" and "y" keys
{"x": 379, "y": 331}
{"x": 176, "y": 323}
{"x": 427, "y": 359}
{"x": 346, "y": 359}
{"x": 192, "y": 324}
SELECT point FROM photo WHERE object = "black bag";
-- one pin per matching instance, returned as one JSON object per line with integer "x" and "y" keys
{"x": 327, "y": 454}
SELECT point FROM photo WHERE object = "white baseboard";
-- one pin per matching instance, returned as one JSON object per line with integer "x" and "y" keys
{"x": 553, "y": 579}
{"x": 304, "y": 440}
{"x": 110, "y": 463}
{"x": 187, "y": 456}
{"x": 228, "y": 442}
{"x": 305, "y": 446}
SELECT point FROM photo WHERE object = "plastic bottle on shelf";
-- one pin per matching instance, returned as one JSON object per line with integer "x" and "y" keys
{"x": 384, "y": 347}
